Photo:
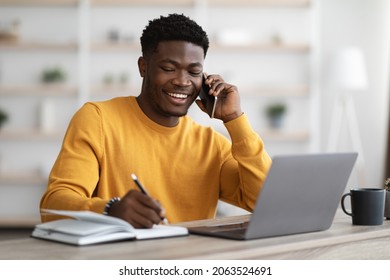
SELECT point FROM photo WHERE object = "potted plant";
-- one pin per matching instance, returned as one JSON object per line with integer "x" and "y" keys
{"x": 3, "y": 117}
{"x": 275, "y": 113}
{"x": 53, "y": 75}
{"x": 387, "y": 200}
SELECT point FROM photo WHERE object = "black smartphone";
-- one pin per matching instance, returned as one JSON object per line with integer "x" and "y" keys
{"x": 209, "y": 101}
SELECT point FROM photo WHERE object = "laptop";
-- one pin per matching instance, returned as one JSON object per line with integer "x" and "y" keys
{"x": 301, "y": 194}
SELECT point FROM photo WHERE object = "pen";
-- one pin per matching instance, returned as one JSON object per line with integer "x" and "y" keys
{"x": 143, "y": 190}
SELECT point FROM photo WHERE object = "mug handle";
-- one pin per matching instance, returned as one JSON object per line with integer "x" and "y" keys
{"x": 342, "y": 203}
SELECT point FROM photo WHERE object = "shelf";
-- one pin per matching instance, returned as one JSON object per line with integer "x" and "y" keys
{"x": 278, "y": 3}
{"x": 38, "y": 2}
{"x": 249, "y": 91}
{"x": 115, "y": 47}
{"x": 30, "y": 135}
{"x": 113, "y": 90}
{"x": 51, "y": 90}
{"x": 142, "y": 2}
{"x": 269, "y": 3}
{"x": 215, "y": 46}
{"x": 262, "y": 47}
{"x": 37, "y": 46}
{"x": 19, "y": 222}
{"x": 22, "y": 179}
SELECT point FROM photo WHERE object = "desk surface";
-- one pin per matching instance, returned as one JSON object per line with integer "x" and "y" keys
{"x": 341, "y": 241}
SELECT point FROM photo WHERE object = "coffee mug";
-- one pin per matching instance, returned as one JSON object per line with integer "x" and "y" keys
{"x": 367, "y": 205}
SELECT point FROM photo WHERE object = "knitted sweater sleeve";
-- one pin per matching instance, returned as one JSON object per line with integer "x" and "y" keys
{"x": 245, "y": 167}
{"x": 75, "y": 173}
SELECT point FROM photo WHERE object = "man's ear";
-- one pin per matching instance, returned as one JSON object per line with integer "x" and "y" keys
{"x": 142, "y": 66}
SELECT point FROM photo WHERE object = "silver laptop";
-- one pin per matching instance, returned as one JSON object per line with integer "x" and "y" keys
{"x": 300, "y": 194}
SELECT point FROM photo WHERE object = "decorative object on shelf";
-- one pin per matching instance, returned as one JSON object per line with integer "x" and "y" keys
{"x": 275, "y": 113}
{"x": 387, "y": 199}
{"x": 113, "y": 35}
{"x": 9, "y": 31}
{"x": 128, "y": 38}
{"x": 108, "y": 79}
{"x": 235, "y": 37}
{"x": 3, "y": 117}
{"x": 276, "y": 39}
{"x": 53, "y": 75}
{"x": 47, "y": 116}
{"x": 123, "y": 79}
{"x": 120, "y": 81}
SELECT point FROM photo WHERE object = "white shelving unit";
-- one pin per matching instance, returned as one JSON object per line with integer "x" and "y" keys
{"x": 265, "y": 70}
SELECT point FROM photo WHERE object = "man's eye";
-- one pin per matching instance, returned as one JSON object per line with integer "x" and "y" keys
{"x": 167, "y": 69}
{"x": 196, "y": 73}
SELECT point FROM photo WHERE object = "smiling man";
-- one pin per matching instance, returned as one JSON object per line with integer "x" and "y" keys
{"x": 185, "y": 167}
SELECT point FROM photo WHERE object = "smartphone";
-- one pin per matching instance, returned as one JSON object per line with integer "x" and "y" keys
{"x": 209, "y": 101}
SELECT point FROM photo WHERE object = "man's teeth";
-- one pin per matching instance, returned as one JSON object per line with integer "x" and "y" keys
{"x": 178, "y": 95}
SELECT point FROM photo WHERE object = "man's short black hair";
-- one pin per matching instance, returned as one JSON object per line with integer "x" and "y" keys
{"x": 173, "y": 27}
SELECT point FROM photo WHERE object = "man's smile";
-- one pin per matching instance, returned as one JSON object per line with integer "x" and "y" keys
{"x": 178, "y": 95}
{"x": 179, "y": 98}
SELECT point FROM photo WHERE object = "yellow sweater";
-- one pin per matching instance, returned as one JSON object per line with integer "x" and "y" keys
{"x": 187, "y": 167}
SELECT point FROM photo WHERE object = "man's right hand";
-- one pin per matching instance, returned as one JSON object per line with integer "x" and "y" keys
{"x": 138, "y": 209}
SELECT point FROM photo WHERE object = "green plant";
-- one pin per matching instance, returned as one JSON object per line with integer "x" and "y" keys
{"x": 275, "y": 110}
{"x": 387, "y": 184}
{"x": 52, "y": 75}
{"x": 275, "y": 113}
{"x": 3, "y": 117}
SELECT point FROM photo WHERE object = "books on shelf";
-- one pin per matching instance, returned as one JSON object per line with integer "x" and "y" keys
{"x": 86, "y": 228}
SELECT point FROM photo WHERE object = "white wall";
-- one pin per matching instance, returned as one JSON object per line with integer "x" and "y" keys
{"x": 365, "y": 24}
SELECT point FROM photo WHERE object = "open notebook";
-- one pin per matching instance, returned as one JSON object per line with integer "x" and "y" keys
{"x": 301, "y": 194}
{"x": 85, "y": 228}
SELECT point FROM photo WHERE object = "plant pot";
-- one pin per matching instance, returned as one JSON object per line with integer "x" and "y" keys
{"x": 276, "y": 121}
{"x": 387, "y": 205}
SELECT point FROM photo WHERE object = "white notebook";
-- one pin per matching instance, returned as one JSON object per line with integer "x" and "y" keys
{"x": 86, "y": 227}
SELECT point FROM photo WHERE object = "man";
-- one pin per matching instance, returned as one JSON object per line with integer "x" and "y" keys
{"x": 186, "y": 168}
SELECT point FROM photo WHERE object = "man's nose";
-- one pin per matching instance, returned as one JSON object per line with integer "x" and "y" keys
{"x": 182, "y": 79}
